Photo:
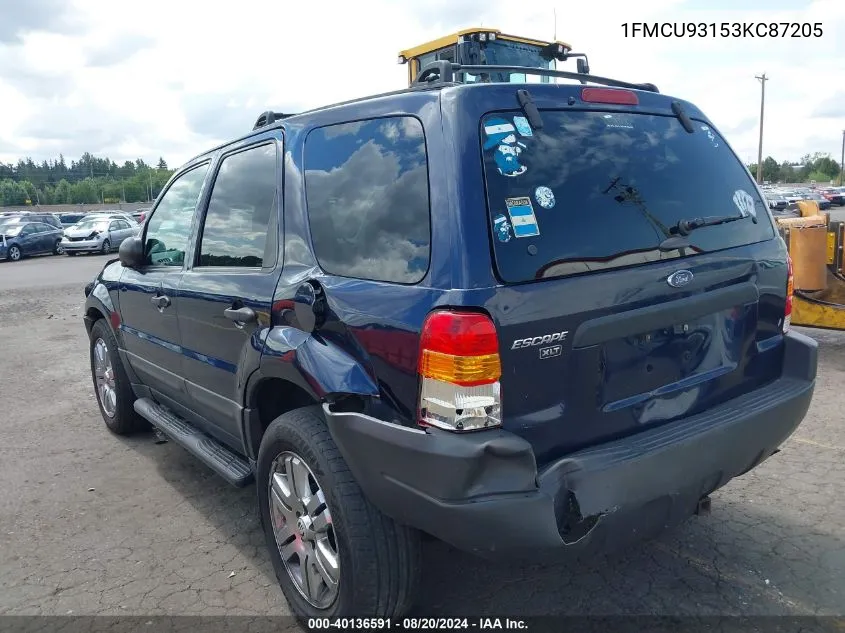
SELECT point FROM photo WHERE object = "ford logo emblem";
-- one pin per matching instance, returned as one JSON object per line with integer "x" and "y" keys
{"x": 679, "y": 278}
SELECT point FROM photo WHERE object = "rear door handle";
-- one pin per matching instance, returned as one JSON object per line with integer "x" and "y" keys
{"x": 160, "y": 301}
{"x": 240, "y": 315}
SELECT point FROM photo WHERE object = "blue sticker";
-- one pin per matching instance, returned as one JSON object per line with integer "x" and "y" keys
{"x": 502, "y": 228}
{"x": 545, "y": 197}
{"x": 523, "y": 126}
{"x": 522, "y": 217}
{"x": 501, "y": 134}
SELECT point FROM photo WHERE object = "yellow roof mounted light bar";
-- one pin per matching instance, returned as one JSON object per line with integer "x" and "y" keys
{"x": 448, "y": 48}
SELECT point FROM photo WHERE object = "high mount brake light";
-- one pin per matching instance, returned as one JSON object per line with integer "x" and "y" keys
{"x": 609, "y": 95}
{"x": 459, "y": 370}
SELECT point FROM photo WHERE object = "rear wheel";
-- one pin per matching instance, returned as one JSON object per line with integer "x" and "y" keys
{"x": 334, "y": 553}
{"x": 58, "y": 249}
{"x": 111, "y": 384}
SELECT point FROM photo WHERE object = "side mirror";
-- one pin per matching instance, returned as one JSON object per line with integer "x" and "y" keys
{"x": 583, "y": 67}
{"x": 131, "y": 252}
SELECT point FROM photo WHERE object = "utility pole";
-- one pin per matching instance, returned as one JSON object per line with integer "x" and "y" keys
{"x": 842, "y": 161}
{"x": 762, "y": 79}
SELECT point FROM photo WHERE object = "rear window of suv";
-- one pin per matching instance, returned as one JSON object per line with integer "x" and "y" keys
{"x": 597, "y": 190}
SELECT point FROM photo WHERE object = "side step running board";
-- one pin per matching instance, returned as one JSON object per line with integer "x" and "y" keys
{"x": 232, "y": 467}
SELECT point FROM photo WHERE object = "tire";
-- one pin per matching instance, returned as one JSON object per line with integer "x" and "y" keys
{"x": 57, "y": 249}
{"x": 70, "y": 253}
{"x": 379, "y": 560}
{"x": 106, "y": 247}
{"x": 14, "y": 253}
{"x": 120, "y": 417}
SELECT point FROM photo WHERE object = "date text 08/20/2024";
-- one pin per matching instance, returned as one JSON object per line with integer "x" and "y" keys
{"x": 722, "y": 29}
{"x": 416, "y": 624}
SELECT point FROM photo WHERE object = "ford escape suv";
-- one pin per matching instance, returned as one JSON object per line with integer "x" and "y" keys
{"x": 531, "y": 320}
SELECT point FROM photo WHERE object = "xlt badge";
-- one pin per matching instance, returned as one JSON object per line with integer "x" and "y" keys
{"x": 539, "y": 340}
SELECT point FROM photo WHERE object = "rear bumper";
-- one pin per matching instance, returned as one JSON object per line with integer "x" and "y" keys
{"x": 482, "y": 492}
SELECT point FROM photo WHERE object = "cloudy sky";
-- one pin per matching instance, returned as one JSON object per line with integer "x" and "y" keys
{"x": 172, "y": 77}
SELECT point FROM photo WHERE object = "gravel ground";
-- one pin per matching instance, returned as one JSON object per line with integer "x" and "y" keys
{"x": 94, "y": 524}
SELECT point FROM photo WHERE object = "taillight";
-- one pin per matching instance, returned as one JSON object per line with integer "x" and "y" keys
{"x": 790, "y": 289}
{"x": 609, "y": 95}
{"x": 459, "y": 370}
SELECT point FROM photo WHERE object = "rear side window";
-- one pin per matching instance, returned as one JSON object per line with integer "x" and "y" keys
{"x": 237, "y": 224}
{"x": 598, "y": 190}
{"x": 368, "y": 203}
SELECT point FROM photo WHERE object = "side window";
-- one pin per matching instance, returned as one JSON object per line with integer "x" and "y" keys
{"x": 169, "y": 228}
{"x": 366, "y": 186}
{"x": 114, "y": 226}
{"x": 238, "y": 230}
{"x": 28, "y": 229}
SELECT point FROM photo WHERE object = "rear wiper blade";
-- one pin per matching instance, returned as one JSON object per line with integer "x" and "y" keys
{"x": 685, "y": 227}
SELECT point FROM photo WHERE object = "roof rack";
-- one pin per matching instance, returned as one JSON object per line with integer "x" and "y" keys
{"x": 444, "y": 72}
{"x": 266, "y": 118}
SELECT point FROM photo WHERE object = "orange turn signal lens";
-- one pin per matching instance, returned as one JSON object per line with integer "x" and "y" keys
{"x": 467, "y": 371}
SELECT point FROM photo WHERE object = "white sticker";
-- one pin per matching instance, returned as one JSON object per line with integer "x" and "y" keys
{"x": 710, "y": 135}
{"x": 522, "y": 216}
{"x": 618, "y": 121}
{"x": 523, "y": 126}
{"x": 545, "y": 197}
{"x": 745, "y": 203}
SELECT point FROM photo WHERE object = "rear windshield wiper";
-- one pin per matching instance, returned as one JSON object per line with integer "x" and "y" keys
{"x": 685, "y": 227}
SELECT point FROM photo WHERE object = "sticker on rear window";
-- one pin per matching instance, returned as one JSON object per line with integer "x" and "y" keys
{"x": 618, "y": 121}
{"x": 522, "y": 217}
{"x": 501, "y": 134}
{"x": 745, "y": 203}
{"x": 545, "y": 197}
{"x": 523, "y": 126}
{"x": 502, "y": 228}
{"x": 706, "y": 129}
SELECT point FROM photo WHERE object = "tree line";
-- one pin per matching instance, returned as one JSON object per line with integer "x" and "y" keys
{"x": 89, "y": 180}
{"x": 92, "y": 180}
{"x": 818, "y": 167}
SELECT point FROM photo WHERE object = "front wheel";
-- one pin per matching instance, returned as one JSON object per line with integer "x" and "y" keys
{"x": 334, "y": 553}
{"x": 14, "y": 254}
{"x": 106, "y": 248}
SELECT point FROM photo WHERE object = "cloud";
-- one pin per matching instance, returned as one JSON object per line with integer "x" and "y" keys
{"x": 119, "y": 49}
{"x": 833, "y": 107}
{"x": 25, "y": 16}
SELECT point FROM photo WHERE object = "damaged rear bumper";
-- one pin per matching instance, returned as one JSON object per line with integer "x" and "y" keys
{"x": 482, "y": 492}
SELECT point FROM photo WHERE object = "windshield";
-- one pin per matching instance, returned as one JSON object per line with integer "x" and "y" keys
{"x": 501, "y": 52}
{"x": 92, "y": 225}
{"x": 598, "y": 190}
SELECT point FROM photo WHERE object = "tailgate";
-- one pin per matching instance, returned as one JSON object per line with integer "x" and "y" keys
{"x": 603, "y": 332}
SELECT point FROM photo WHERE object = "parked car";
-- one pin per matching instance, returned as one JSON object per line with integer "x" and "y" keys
{"x": 824, "y": 203}
{"x": 835, "y": 195}
{"x": 22, "y": 239}
{"x": 97, "y": 234}
{"x": 46, "y": 218}
{"x": 777, "y": 201}
{"x": 116, "y": 215}
{"x": 140, "y": 215}
{"x": 69, "y": 219}
{"x": 535, "y": 341}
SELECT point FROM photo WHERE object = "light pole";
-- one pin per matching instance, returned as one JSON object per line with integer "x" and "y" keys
{"x": 762, "y": 79}
{"x": 842, "y": 161}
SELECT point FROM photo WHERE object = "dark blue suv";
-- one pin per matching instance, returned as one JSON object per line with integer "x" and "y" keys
{"x": 531, "y": 320}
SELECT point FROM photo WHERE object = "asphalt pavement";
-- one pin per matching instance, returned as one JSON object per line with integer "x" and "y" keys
{"x": 94, "y": 524}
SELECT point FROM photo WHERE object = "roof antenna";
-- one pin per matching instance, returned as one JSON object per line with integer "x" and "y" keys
{"x": 554, "y": 38}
